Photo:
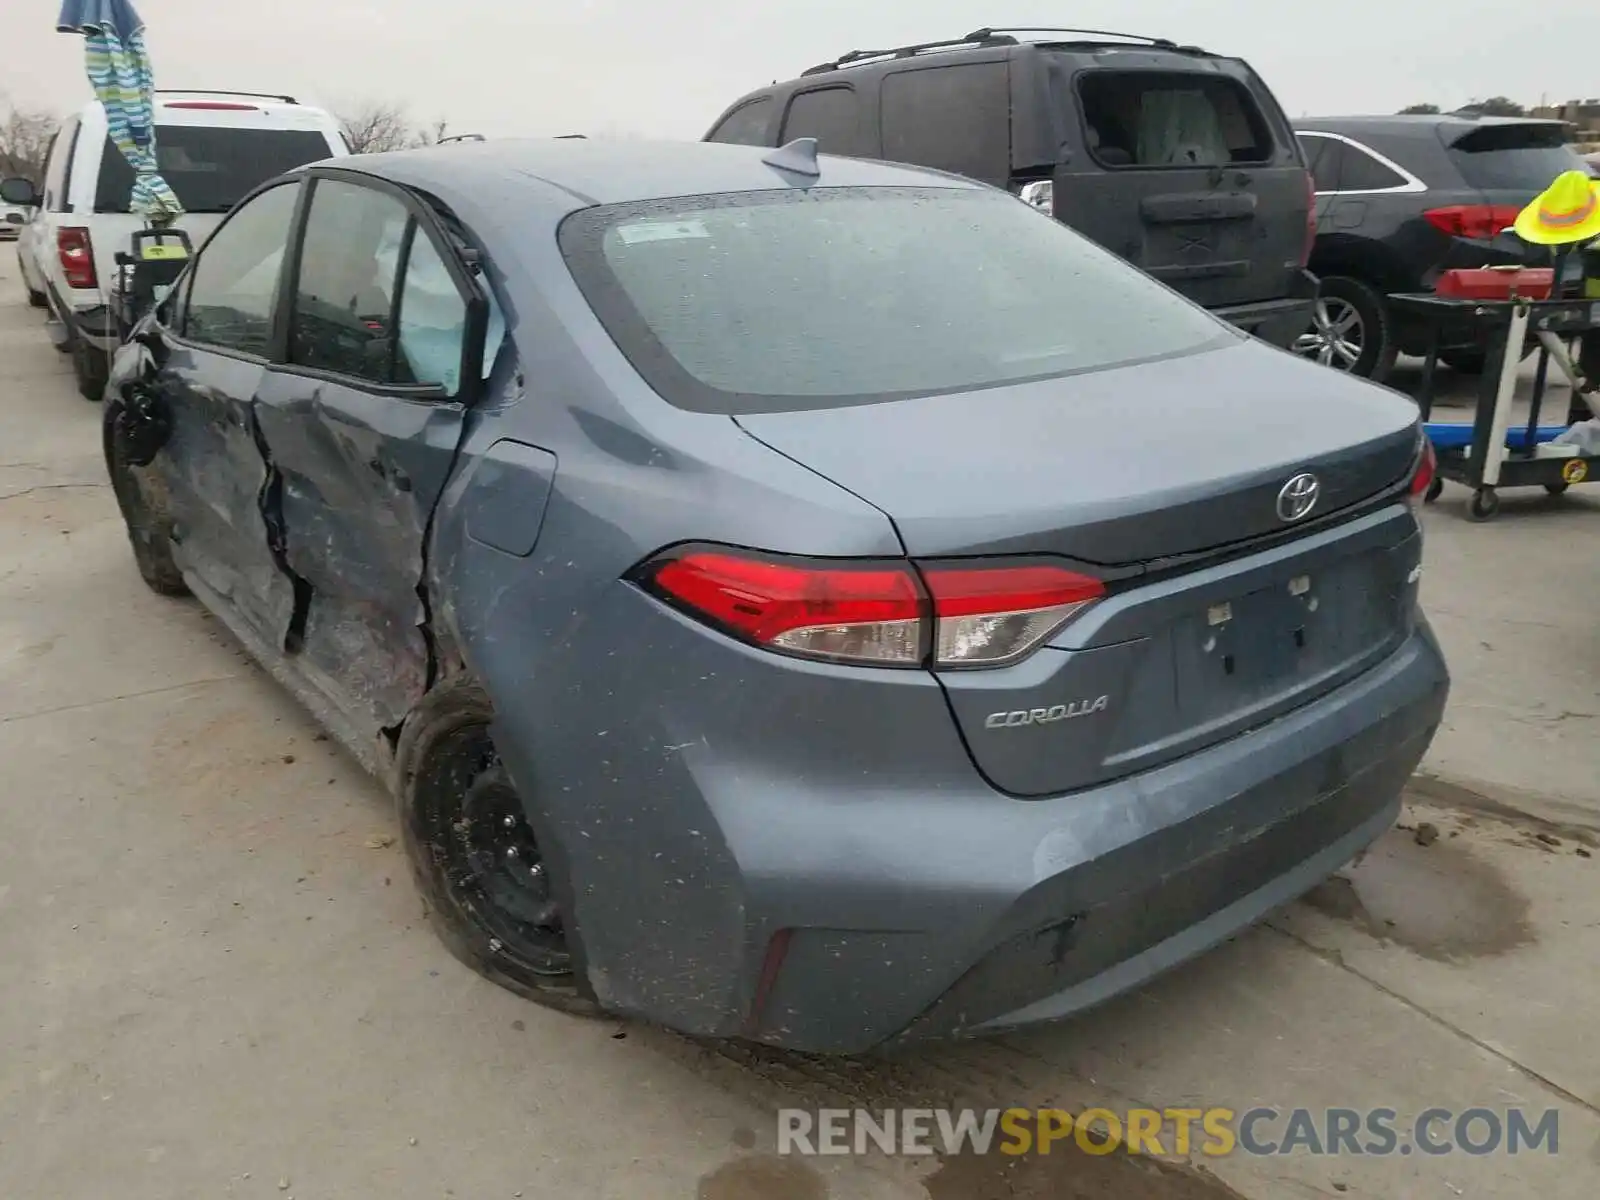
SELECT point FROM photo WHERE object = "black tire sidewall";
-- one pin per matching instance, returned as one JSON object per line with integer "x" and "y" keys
{"x": 1378, "y": 349}
{"x": 456, "y": 709}
{"x": 91, "y": 369}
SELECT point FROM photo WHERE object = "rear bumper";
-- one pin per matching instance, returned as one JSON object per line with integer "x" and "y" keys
{"x": 931, "y": 905}
{"x": 1280, "y": 321}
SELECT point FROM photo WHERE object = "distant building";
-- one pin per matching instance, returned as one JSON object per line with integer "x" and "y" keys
{"x": 1583, "y": 115}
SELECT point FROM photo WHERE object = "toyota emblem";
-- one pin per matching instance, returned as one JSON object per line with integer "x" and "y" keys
{"x": 1298, "y": 497}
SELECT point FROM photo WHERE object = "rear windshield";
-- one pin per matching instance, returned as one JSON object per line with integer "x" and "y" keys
{"x": 1524, "y": 158}
{"x": 768, "y": 301}
{"x": 1171, "y": 119}
{"x": 211, "y": 168}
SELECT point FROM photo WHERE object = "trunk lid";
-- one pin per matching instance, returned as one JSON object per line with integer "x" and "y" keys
{"x": 1115, "y": 468}
{"x": 1127, "y": 472}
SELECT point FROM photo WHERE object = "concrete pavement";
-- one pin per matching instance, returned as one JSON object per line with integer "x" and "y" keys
{"x": 214, "y": 979}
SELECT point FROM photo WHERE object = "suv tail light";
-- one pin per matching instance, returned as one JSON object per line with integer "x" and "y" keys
{"x": 1311, "y": 220}
{"x": 1423, "y": 475}
{"x": 76, "y": 253}
{"x": 878, "y": 612}
{"x": 1480, "y": 222}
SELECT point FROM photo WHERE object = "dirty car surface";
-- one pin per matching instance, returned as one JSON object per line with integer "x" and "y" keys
{"x": 767, "y": 626}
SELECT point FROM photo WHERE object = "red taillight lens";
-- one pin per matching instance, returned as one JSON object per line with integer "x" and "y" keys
{"x": 884, "y": 613}
{"x": 76, "y": 253}
{"x": 1480, "y": 222}
{"x": 1422, "y": 478}
{"x": 855, "y": 611}
{"x": 1311, "y": 220}
{"x": 989, "y": 615}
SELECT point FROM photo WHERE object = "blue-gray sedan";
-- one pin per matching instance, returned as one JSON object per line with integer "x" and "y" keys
{"x": 807, "y": 600}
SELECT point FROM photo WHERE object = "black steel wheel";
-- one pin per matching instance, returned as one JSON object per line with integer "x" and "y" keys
{"x": 149, "y": 529}
{"x": 490, "y": 888}
{"x": 1485, "y": 504}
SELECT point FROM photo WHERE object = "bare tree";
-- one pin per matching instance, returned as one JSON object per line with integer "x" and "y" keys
{"x": 25, "y": 138}
{"x": 432, "y": 135}
{"x": 376, "y": 127}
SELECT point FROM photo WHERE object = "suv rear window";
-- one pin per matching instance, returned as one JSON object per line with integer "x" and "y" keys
{"x": 211, "y": 168}
{"x": 780, "y": 300}
{"x": 1513, "y": 157}
{"x": 1171, "y": 119}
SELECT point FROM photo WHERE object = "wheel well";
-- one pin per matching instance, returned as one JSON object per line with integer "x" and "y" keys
{"x": 1359, "y": 259}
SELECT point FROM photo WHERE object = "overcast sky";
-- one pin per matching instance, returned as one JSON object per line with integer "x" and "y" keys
{"x": 668, "y": 68}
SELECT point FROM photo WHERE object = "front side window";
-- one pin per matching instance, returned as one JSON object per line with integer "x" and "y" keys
{"x": 1172, "y": 119}
{"x": 345, "y": 295}
{"x": 234, "y": 292}
{"x": 745, "y": 125}
{"x": 769, "y": 301}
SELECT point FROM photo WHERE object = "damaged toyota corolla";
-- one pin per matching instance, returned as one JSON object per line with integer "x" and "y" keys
{"x": 797, "y": 599}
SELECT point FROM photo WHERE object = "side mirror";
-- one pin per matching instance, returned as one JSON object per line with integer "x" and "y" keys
{"x": 19, "y": 191}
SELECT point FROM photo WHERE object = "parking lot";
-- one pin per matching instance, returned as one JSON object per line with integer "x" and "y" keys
{"x": 217, "y": 980}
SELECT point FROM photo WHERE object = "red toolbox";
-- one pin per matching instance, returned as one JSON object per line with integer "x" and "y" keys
{"x": 1496, "y": 283}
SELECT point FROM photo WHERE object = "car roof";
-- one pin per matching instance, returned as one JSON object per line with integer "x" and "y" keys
{"x": 578, "y": 173}
{"x": 1410, "y": 124}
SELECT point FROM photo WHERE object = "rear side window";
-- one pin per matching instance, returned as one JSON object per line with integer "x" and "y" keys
{"x": 746, "y": 125}
{"x": 1172, "y": 119}
{"x": 1363, "y": 173}
{"x": 211, "y": 168}
{"x": 831, "y": 115}
{"x": 951, "y": 118}
{"x": 58, "y": 167}
{"x": 779, "y": 300}
{"x": 1323, "y": 158}
{"x": 1513, "y": 157}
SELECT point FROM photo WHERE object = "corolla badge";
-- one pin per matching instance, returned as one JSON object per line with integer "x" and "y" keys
{"x": 1298, "y": 497}
{"x": 1025, "y": 717}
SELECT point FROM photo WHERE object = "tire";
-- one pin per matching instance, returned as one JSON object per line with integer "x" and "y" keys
{"x": 35, "y": 299}
{"x": 461, "y": 819}
{"x": 1435, "y": 490}
{"x": 1352, "y": 330}
{"x": 91, "y": 369}
{"x": 149, "y": 529}
{"x": 1485, "y": 505}
{"x": 1472, "y": 361}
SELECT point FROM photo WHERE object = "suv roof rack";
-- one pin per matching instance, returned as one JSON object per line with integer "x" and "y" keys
{"x": 989, "y": 36}
{"x": 215, "y": 92}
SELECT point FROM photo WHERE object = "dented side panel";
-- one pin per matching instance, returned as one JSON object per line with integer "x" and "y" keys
{"x": 360, "y": 474}
{"x": 215, "y": 482}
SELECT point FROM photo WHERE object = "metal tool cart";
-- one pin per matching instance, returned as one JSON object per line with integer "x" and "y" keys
{"x": 145, "y": 273}
{"x": 1491, "y": 460}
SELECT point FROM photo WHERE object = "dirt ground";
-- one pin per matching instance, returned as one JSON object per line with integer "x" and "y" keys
{"x": 216, "y": 981}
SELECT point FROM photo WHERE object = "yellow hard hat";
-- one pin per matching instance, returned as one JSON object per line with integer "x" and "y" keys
{"x": 1568, "y": 211}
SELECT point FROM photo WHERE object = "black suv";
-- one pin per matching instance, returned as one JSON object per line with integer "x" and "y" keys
{"x": 1179, "y": 160}
{"x": 1401, "y": 199}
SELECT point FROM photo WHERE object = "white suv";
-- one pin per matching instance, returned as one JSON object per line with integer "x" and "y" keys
{"x": 214, "y": 149}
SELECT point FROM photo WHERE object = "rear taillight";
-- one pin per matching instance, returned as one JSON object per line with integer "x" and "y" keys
{"x": 1480, "y": 222}
{"x": 1423, "y": 474}
{"x": 76, "y": 253}
{"x": 887, "y": 613}
{"x": 1311, "y": 220}
{"x": 988, "y": 615}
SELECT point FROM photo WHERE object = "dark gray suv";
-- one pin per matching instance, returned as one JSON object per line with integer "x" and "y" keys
{"x": 1179, "y": 160}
